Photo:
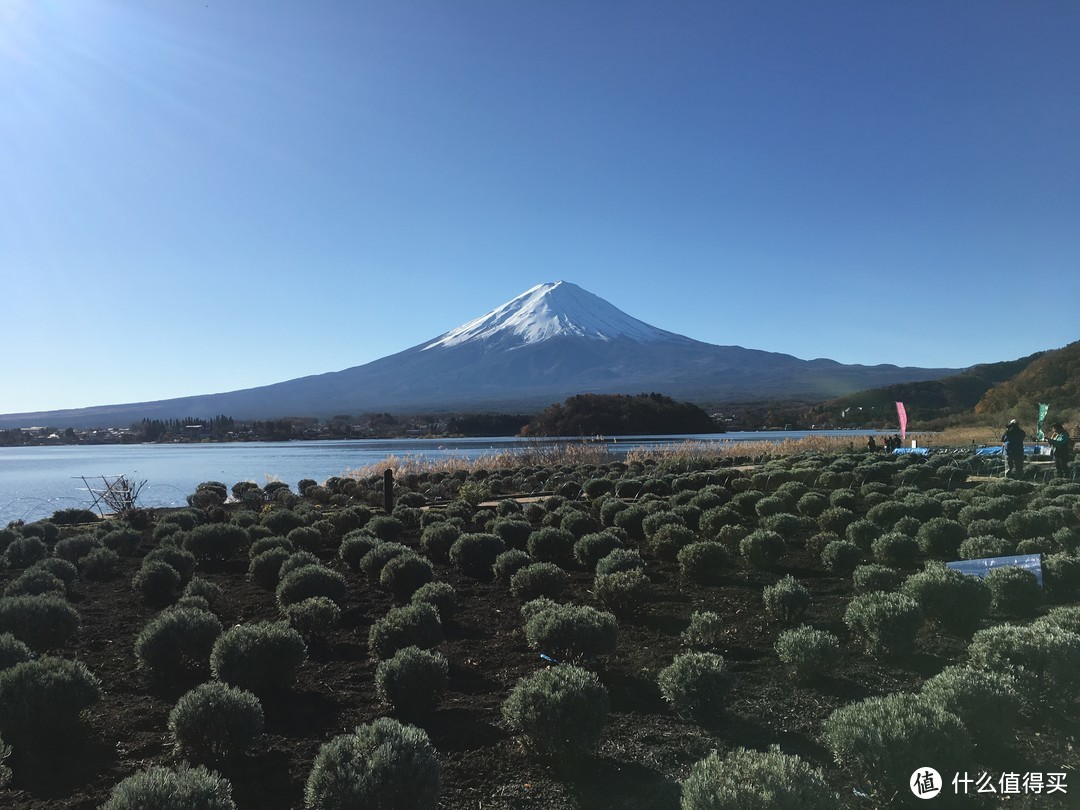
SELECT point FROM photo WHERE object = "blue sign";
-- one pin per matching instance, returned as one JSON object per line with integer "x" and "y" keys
{"x": 981, "y": 567}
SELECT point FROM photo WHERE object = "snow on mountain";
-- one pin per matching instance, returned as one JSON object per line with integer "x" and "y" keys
{"x": 554, "y": 309}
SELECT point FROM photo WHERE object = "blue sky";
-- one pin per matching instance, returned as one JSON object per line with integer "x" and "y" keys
{"x": 206, "y": 196}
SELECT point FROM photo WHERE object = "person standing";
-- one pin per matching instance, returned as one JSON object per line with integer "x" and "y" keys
{"x": 1062, "y": 449}
{"x": 1013, "y": 439}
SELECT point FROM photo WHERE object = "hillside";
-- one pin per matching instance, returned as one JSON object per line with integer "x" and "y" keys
{"x": 1052, "y": 377}
{"x": 927, "y": 399}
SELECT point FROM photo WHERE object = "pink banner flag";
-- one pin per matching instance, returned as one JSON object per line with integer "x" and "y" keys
{"x": 903, "y": 419}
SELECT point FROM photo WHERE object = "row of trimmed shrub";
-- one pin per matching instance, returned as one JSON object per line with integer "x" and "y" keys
{"x": 381, "y": 764}
{"x": 259, "y": 657}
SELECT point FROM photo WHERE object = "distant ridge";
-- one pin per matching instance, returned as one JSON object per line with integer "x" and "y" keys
{"x": 551, "y": 342}
{"x": 1012, "y": 388}
{"x": 1052, "y": 377}
{"x": 932, "y": 399}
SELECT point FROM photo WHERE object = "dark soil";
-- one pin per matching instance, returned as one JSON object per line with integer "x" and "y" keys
{"x": 639, "y": 762}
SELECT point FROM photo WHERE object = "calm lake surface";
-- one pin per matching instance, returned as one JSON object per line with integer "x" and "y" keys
{"x": 36, "y": 481}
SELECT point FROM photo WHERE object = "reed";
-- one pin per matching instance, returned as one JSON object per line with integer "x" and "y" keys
{"x": 543, "y": 454}
{"x": 969, "y": 435}
{"x": 530, "y": 455}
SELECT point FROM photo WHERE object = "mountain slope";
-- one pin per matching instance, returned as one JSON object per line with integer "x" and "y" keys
{"x": 929, "y": 399}
{"x": 551, "y": 342}
{"x": 1053, "y": 377}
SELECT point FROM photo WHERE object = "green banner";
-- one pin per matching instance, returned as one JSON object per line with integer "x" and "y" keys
{"x": 1043, "y": 408}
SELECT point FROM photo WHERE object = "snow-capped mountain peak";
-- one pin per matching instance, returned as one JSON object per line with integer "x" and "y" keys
{"x": 551, "y": 342}
{"x": 551, "y": 310}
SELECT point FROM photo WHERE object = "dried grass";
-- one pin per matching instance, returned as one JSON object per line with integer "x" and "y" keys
{"x": 968, "y": 435}
{"x": 572, "y": 453}
{"x": 558, "y": 454}
{"x": 530, "y": 455}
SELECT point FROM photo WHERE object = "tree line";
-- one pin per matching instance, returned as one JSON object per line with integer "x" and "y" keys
{"x": 620, "y": 415}
{"x": 582, "y": 415}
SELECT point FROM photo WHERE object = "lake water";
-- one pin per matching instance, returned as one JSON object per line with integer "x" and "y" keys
{"x": 37, "y": 481}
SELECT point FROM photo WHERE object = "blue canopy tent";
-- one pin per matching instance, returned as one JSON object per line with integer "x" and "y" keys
{"x": 997, "y": 450}
{"x": 981, "y": 567}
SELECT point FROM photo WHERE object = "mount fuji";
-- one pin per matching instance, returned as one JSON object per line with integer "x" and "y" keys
{"x": 550, "y": 311}
{"x": 551, "y": 342}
